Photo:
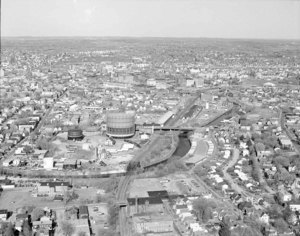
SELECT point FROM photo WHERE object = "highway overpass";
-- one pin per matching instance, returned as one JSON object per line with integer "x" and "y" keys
{"x": 170, "y": 128}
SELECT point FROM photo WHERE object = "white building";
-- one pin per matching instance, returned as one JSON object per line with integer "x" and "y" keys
{"x": 48, "y": 163}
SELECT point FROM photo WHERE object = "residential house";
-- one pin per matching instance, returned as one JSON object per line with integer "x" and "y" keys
{"x": 52, "y": 188}
{"x": 264, "y": 218}
{"x": 3, "y": 214}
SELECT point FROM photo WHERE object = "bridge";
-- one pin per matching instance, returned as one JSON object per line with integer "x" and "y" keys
{"x": 170, "y": 128}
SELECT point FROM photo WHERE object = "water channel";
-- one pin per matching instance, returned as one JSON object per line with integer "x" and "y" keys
{"x": 183, "y": 146}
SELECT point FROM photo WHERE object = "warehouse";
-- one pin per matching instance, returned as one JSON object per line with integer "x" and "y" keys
{"x": 164, "y": 118}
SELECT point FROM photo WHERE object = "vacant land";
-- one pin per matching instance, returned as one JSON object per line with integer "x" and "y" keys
{"x": 12, "y": 199}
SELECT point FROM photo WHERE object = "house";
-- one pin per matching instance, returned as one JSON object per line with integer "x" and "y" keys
{"x": 3, "y": 214}
{"x": 264, "y": 218}
{"x": 6, "y": 184}
{"x": 285, "y": 142}
{"x": 283, "y": 195}
{"x": 70, "y": 164}
{"x": 83, "y": 212}
{"x": 53, "y": 188}
{"x": 44, "y": 223}
{"x": 26, "y": 127}
{"x": 295, "y": 206}
{"x": 20, "y": 218}
{"x": 296, "y": 184}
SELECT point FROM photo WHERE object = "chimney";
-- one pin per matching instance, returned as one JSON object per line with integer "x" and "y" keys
{"x": 136, "y": 204}
{"x": 146, "y": 205}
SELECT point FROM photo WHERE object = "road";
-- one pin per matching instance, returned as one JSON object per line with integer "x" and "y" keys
{"x": 227, "y": 176}
{"x": 121, "y": 196}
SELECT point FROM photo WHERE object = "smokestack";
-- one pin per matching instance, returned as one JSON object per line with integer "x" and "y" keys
{"x": 136, "y": 205}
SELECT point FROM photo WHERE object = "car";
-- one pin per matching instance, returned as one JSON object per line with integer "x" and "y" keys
{"x": 95, "y": 208}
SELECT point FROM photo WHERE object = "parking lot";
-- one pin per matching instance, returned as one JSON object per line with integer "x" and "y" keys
{"x": 183, "y": 184}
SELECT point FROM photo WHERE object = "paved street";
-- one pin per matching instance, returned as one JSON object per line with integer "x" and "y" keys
{"x": 231, "y": 163}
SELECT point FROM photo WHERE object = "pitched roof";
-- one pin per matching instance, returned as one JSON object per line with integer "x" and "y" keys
{"x": 55, "y": 184}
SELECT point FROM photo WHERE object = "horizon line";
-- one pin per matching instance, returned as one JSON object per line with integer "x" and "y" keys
{"x": 154, "y": 37}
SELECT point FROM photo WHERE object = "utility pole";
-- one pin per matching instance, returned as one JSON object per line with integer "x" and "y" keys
{"x": 0, "y": 36}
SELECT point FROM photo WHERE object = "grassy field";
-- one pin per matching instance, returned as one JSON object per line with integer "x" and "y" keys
{"x": 13, "y": 199}
{"x": 264, "y": 112}
{"x": 202, "y": 148}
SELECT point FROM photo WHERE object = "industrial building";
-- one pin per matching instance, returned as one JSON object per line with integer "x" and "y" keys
{"x": 165, "y": 118}
{"x": 144, "y": 223}
{"x": 120, "y": 124}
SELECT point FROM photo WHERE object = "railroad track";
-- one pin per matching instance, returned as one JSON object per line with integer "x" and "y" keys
{"x": 121, "y": 196}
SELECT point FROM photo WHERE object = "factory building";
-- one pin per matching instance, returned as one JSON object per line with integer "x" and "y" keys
{"x": 120, "y": 124}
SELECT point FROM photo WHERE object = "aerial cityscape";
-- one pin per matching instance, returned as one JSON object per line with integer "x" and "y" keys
{"x": 149, "y": 136}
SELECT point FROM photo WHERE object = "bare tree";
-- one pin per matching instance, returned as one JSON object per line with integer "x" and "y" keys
{"x": 67, "y": 228}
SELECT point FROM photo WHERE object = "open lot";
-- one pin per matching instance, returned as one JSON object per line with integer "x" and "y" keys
{"x": 92, "y": 140}
{"x": 19, "y": 197}
{"x": 13, "y": 199}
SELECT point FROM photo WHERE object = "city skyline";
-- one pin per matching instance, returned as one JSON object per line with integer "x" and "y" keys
{"x": 171, "y": 18}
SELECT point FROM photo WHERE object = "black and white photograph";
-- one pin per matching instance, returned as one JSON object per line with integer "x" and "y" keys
{"x": 150, "y": 118}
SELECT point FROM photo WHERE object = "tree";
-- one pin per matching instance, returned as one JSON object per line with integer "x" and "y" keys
{"x": 69, "y": 196}
{"x": 275, "y": 210}
{"x": 113, "y": 212}
{"x": 282, "y": 161}
{"x": 26, "y": 229}
{"x": 10, "y": 231}
{"x": 133, "y": 165}
{"x": 81, "y": 233}
{"x": 281, "y": 225}
{"x": 43, "y": 144}
{"x": 224, "y": 231}
{"x": 260, "y": 147}
{"x": 71, "y": 212}
{"x": 67, "y": 228}
{"x": 203, "y": 208}
{"x": 28, "y": 149}
{"x": 200, "y": 170}
{"x": 246, "y": 231}
{"x": 105, "y": 232}
{"x": 207, "y": 214}
{"x": 283, "y": 175}
{"x": 111, "y": 184}
{"x": 37, "y": 213}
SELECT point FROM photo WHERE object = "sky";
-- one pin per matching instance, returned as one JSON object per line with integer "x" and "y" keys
{"x": 262, "y": 19}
